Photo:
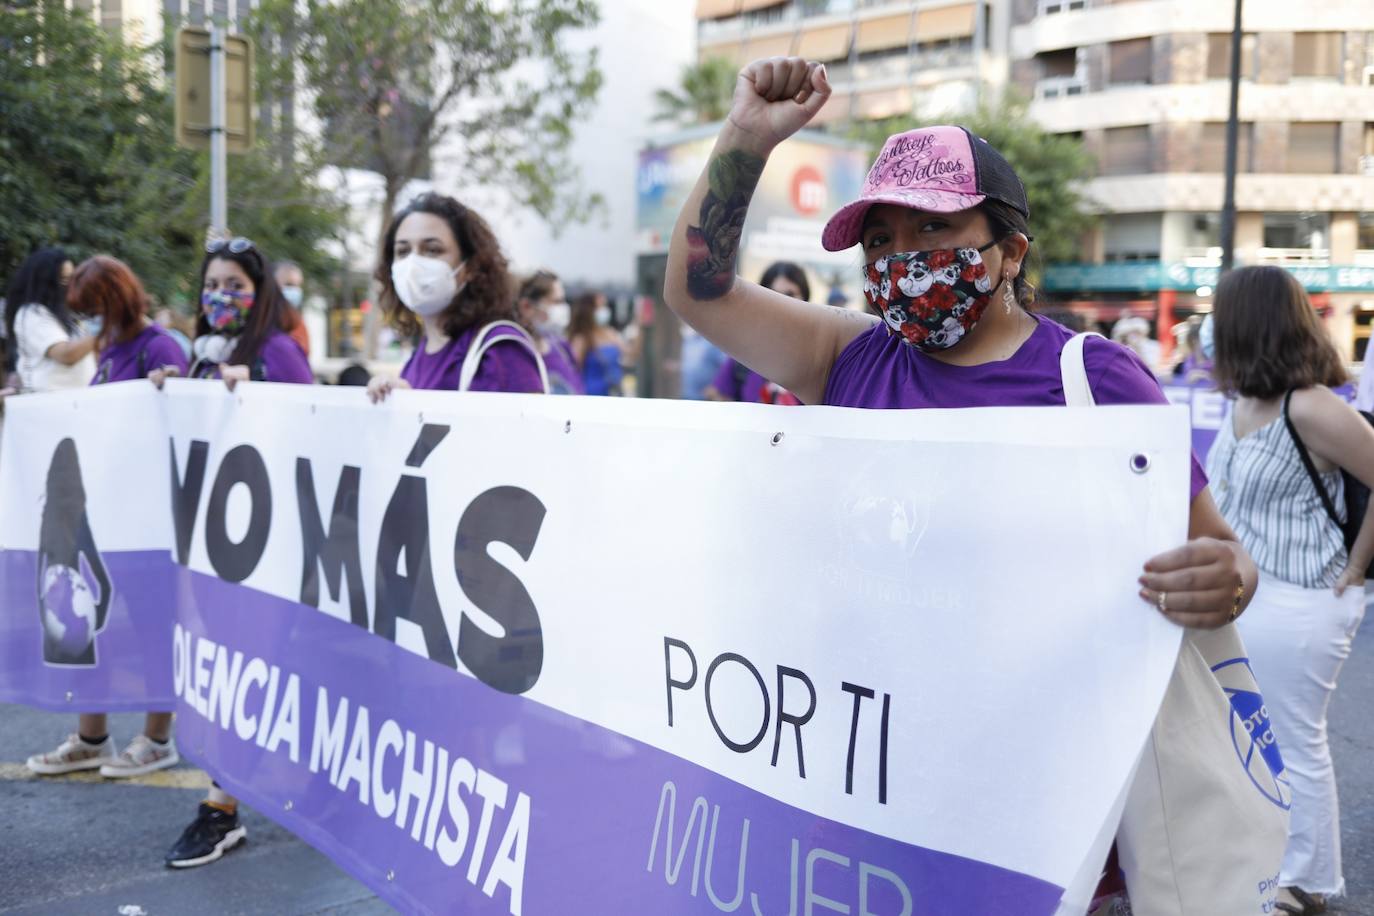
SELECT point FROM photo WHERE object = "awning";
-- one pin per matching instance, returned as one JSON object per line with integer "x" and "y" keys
{"x": 828, "y": 43}
{"x": 716, "y": 9}
{"x": 946, "y": 22}
{"x": 771, "y": 46}
{"x": 884, "y": 32}
{"x": 884, "y": 103}
{"x": 748, "y": 5}
{"x": 733, "y": 51}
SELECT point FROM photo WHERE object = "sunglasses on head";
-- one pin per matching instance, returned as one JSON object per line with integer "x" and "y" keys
{"x": 236, "y": 245}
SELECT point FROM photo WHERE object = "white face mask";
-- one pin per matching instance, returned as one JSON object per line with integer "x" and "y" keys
{"x": 559, "y": 315}
{"x": 603, "y": 315}
{"x": 293, "y": 295}
{"x": 425, "y": 285}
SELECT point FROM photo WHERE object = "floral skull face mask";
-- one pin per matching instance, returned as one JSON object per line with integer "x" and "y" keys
{"x": 930, "y": 299}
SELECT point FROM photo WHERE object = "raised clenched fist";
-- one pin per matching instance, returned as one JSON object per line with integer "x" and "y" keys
{"x": 776, "y": 97}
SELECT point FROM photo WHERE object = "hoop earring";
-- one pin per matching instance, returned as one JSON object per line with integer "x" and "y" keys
{"x": 1008, "y": 297}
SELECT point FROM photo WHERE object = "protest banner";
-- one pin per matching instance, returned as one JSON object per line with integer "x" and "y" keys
{"x": 504, "y": 653}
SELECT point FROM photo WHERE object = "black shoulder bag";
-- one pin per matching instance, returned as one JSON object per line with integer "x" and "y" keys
{"x": 1356, "y": 493}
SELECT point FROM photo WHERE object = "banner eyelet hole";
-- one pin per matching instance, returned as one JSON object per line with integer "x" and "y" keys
{"x": 1140, "y": 462}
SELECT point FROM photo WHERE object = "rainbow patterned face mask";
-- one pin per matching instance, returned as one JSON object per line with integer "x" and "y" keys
{"x": 226, "y": 310}
{"x": 930, "y": 299}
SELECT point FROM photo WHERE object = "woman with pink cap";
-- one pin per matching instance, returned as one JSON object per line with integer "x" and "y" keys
{"x": 944, "y": 225}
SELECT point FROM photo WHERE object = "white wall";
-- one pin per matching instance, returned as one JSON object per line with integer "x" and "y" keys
{"x": 643, "y": 46}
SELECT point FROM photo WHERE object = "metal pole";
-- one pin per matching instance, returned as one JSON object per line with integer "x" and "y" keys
{"x": 1228, "y": 205}
{"x": 219, "y": 196}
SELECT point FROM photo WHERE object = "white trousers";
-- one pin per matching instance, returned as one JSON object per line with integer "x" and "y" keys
{"x": 1298, "y": 638}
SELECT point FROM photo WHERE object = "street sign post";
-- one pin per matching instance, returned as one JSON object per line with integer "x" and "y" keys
{"x": 214, "y": 104}
{"x": 193, "y": 99}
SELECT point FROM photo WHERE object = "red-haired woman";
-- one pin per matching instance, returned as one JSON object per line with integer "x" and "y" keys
{"x": 131, "y": 347}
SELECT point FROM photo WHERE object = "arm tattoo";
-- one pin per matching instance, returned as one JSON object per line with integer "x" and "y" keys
{"x": 713, "y": 245}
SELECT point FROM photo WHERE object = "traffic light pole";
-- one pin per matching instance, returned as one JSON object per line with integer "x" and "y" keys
{"x": 219, "y": 195}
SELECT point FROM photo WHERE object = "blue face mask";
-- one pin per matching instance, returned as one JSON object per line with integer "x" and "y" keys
{"x": 1205, "y": 339}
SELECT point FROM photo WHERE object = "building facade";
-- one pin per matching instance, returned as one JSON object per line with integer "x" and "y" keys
{"x": 1145, "y": 84}
{"x": 884, "y": 57}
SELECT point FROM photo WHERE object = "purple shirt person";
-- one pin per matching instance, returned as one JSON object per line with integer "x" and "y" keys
{"x": 879, "y": 370}
{"x": 150, "y": 349}
{"x": 541, "y": 306}
{"x": 944, "y": 226}
{"x": 240, "y": 334}
{"x": 736, "y": 382}
{"x": 76, "y": 583}
{"x": 444, "y": 280}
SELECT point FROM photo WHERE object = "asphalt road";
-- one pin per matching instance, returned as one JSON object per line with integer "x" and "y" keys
{"x": 87, "y": 846}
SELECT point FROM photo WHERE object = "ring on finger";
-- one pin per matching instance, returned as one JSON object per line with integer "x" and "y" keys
{"x": 1163, "y": 602}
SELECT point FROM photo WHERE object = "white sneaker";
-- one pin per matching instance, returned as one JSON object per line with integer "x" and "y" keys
{"x": 143, "y": 755}
{"x": 71, "y": 755}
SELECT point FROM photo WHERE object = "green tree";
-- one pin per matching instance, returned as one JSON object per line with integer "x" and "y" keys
{"x": 1053, "y": 168}
{"x": 88, "y": 160}
{"x": 392, "y": 79}
{"x": 704, "y": 94}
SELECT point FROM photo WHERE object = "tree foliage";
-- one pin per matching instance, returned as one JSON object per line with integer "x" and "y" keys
{"x": 1053, "y": 168}
{"x": 88, "y": 160}
{"x": 392, "y": 80}
{"x": 705, "y": 93}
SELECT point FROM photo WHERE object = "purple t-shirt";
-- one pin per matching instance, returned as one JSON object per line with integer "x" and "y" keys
{"x": 507, "y": 365}
{"x": 280, "y": 359}
{"x": 563, "y": 375}
{"x": 879, "y": 370}
{"x": 150, "y": 349}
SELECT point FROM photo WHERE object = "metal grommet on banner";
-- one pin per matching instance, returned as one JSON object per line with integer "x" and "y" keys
{"x": 777, "y": 438}
{"x": 390, "y": 875}
{"x": 1140, "y": 462}
{"x": 567, "y": 427}
{"x": 289, "y": 806}
{"x": 69, "y": 696}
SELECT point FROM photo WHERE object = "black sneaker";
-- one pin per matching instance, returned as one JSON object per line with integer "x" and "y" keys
{"x": 209, "y": 836}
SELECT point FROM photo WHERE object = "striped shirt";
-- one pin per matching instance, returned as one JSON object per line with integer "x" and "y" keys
{"x": 1267, "y": 497}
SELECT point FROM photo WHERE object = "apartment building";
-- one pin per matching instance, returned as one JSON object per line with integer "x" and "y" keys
{"x": 884, "y": 58}
{"x": 1145, "y": 84}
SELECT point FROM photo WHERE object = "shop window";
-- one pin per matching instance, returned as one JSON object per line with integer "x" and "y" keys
{"x": 1365, "y": 238}
{"x": 1297, "y": 231}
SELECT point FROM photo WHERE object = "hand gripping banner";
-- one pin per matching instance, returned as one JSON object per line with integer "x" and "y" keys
{"x": 517, "y": 654}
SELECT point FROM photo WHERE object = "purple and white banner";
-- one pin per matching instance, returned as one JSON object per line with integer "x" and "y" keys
{"x": 515, "y": 654}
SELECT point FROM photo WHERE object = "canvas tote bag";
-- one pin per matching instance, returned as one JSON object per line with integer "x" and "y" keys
{"x": 483, "y": 340}
{"x": 1206, "y": 818}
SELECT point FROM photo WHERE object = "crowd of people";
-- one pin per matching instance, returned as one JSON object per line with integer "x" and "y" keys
{"x": 951, "y": 323}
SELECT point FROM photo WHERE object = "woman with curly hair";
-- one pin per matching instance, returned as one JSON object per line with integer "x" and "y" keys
{"x": 444, "y": 278}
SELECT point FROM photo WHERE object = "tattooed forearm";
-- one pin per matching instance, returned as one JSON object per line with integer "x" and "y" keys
{"x": 713, "y": 245}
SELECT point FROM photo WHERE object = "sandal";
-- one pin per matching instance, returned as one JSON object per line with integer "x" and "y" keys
{"x": 1303, "y": 903}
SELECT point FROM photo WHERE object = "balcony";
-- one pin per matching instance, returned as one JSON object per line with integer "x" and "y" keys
{"x": 1054, "y": 87}
{"x": 1294, "y": 257}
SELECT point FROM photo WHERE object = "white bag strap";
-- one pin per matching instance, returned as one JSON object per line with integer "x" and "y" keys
{"x": 483, "y": 341}
{"x": 1074, "y": 373}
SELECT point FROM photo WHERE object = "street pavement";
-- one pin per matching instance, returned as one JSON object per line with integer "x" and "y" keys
{"x": 81, "y": 845}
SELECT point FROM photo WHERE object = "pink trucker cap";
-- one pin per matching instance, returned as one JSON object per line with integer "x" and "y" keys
{"x": 940, "y": 169}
